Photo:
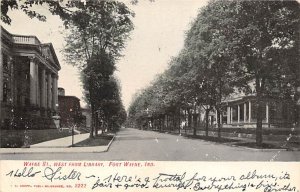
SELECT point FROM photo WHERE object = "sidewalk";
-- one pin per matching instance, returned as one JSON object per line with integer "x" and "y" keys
{"x": 62, "y": 142}
{"x": 61, "y": 145}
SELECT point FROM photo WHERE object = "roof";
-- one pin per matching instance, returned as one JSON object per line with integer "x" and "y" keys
{"x": 238, "y": 99}
{"x": 33, "y": 42}
{"x": 70, "y": 96}
{"x": 53, "y": 54}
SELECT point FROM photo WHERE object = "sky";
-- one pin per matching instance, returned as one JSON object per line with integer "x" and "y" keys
{"x": 159, "y": 34}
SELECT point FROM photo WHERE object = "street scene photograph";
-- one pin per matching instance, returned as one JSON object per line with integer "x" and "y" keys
{"x": 150, "y": 80}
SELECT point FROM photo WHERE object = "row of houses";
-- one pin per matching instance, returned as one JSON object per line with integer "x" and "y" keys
{"x": 29, "y": 93}
{"x": 237, "y": 118}
{"x": 239, "y": 112}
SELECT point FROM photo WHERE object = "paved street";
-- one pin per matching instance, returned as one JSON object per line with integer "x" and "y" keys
{"x": 132, "y": 144}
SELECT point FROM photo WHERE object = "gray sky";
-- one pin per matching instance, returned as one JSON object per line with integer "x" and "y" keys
{"x": 158, "y": 35}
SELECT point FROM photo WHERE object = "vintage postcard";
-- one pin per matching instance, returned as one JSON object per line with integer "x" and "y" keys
{"x": 144, "y": 95}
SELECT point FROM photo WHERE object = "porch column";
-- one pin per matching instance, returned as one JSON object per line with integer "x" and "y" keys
{"x": 43, "y": 88}
{"x": 245, "y": 112}
{"x": 228, "y": 115}
{"x": 49, "y": 93}
{"x": 32, "y": 81}
{"x": 267, "y": 113}
{"x": 216, "y": 116}
{"x": 249, "y": 120}
{"x": 54, "y": 92}
{"x": 231, "y": 114}
{"x": 239, "y": 115}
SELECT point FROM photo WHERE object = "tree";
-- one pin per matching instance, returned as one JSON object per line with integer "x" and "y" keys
{"x": 262, "y": 31}
{"x": 208, "y": 46}
{"x": 98, "y": 31}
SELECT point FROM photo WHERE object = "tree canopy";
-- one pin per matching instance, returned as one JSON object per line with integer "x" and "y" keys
{"x": 228, "y": 46}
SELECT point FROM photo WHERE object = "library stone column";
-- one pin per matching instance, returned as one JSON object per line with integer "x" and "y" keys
{"x": 37, "y": 85}
{"x": 49, "y": 92}
{"x": 43, "y": 88}
{"x": 54, "y": 92}
{"x": 32, "y": 81}
{"x": 12, "y": 79}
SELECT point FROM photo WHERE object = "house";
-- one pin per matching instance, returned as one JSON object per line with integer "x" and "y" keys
{"x": 69, "y": 110}
{"x": 240, "y": 110}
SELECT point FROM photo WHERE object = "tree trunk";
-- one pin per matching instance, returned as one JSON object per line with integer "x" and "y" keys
{"x": 167, "y": 125}
{"x": 152, "y": 124}
{"x": 179, "y": 121}
{"x": 190, "y": 119}
{"x": 160, "y": 124}
{"x": 96, "y": 124}
{"x": 259, "y": 123}
{"x": 206, "y": 121}
{"x": 259, "y": 113}
{"x": 185, "y": 118}
{"x": 163, "y": 120}
{"x": 173, "y": 122}
{"x": 195, "y": 120}
{"x": 297, "y": 107}
{"x": 194, "y": 123}
{"x": 195, "y": 126}
{"x": 219, "y": 122}
{"x": 92, "y": 108}
{"x": 92, "y": 121}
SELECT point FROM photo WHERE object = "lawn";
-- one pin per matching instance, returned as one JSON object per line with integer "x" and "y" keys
{"x": 214, "y": 139}
{"x": 290, "y": 145}
{"x": 254, "y": 146}
{"x": 24, "y": 138}
{"x": 100, "y": 140}
{"x": 276, "y": 145}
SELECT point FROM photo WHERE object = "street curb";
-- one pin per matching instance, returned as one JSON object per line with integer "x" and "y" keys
{"x": 94, "y": 149}
{"x": 265, "y": 150}
{"x": 255, "y": 149}
{"x": 109, "y": 144}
